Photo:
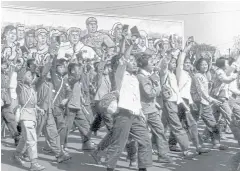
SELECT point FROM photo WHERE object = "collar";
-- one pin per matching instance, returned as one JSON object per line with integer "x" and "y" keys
{"x": 42, "y": 48}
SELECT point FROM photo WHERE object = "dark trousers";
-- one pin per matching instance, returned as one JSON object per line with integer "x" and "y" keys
{"x": 235, "y": 124}
{"x": 101, "y": 119}
{"x": 9, "y": 119}
{"x": 58, "y": 115}
{"x": 46, "y": 123}
{"x": 123, "y": 124}
{"x": 155, "y": 123}
{"x": 171, "y": 118}
{"x": 189, "y": 124}
{"x": 78, "y": 117}
{"x": 210, "y": 121}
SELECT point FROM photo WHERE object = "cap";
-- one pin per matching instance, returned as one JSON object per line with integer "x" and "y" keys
{"x": 73, "y": 29}
{"x": 20, "y": 25}
{"x": 90, "y": 20}
{"x": 29, "y": 32}
{"x": 156, "y": 42}
{"x": 165, "y": 40}
{"x": 40, "y": 30}
{"x": 55, "y": 32}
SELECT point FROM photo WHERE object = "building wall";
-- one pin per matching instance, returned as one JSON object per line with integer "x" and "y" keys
{"x": 217, "y": 29}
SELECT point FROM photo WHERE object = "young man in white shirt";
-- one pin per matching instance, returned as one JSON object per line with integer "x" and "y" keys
{"x": 171, "y": 100}
{"x": 129, "y": 120}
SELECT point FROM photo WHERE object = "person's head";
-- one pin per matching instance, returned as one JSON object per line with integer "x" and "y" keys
{"x": 75, "y": 70}
{"x": 63, "y": 37}
{"x": 117, "y": 30}
{"x": 150, "y": 43}
{"x": 4, "y": 66}
{"x": 166, "y": 44}
{"x": 20, "y": 32}
{"x": 41, "y": 36}
{"x": 19, "y": 64}
{"x": 9, "y": 34}
{"x": 91, "y": 24}
{"x": 107, "y": 68}
{"x": 222, "y": 63}
{"x": 28, "y": 77}
{"x": 31, "y": 65}
{"x": 143, "y": 41}
{"x": 30, "y": 38}
{"x": 48, "y": 77}
{"x": 7, "y": 52}
{"x": 143, "y": 62}
{"x": 173, "y": 61}
{"x": 202, "y": 65}
{"x": 61, "y": 67}
{"x": 74, "y": 35}
{"x": 187, "y": 64}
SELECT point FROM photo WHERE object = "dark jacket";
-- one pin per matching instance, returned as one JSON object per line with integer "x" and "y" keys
{"x": 148, "y": 93}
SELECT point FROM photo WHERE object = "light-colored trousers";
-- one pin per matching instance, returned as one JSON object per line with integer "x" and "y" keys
{"x": 28, "y": 141}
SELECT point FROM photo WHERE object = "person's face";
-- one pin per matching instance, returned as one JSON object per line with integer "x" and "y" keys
{"x": 226, "y": 64}
{"x": 132, "y": 64}
{"x": 150, "y": 65}
{"x": 63, "y": 38}
{"x": 107, "y": 69}
{"x": 142, "y": 42}
{"x": 19, "y": 66}
{"x": 28, "y": 77}
{"x": 166, "y": 46}
{"x": 42, "y": 38}
{"x": 30, "y": 40}
{"x": 187, "y": 65}
{"x": 20, "y": 33}
{"x": 11, "y": 35}
{"x": 118, "y": 31}
{"x": 74, "y": 37}
{"x": 203, "y": 67}
{"x": 32, "y": 67}
{"x": 61, "y": 69}
{"x": 48, "y": 76}
{"x": 92, "y": 27}
{"x": 150, "y": 44}
{"x": 173, "y": 64}
{"x": 4, "y": 68}
{"x": 77, "y": 72}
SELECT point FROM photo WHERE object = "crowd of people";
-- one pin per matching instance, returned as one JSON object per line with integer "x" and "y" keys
{"x": 139, "y": 88}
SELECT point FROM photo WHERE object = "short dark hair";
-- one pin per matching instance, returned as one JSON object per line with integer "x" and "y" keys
{"x": 60, "y": 62}
{"x": 198, "y": 63}
{"x": 142, "y": 60}
{"x": 29, "y": 62}
{"x": 220, "y": 62}
{"x": 71, "y": 66}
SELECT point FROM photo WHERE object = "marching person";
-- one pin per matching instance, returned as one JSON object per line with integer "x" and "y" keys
{"x": 148, "y": 94}
{"x": 28, "y": 118}
{"x": 61, "y": 89}
{"x": 7, "y": 110}
{"x": 171, "y": 100}
{"x": 184, "y": 78}
{"x": 75, "y": 108}
{"x": 46, "y": 122}
{"x": 206, "y": 102}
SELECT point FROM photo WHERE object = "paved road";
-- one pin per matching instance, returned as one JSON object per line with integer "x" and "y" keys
{"x": 213, "y": 161}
